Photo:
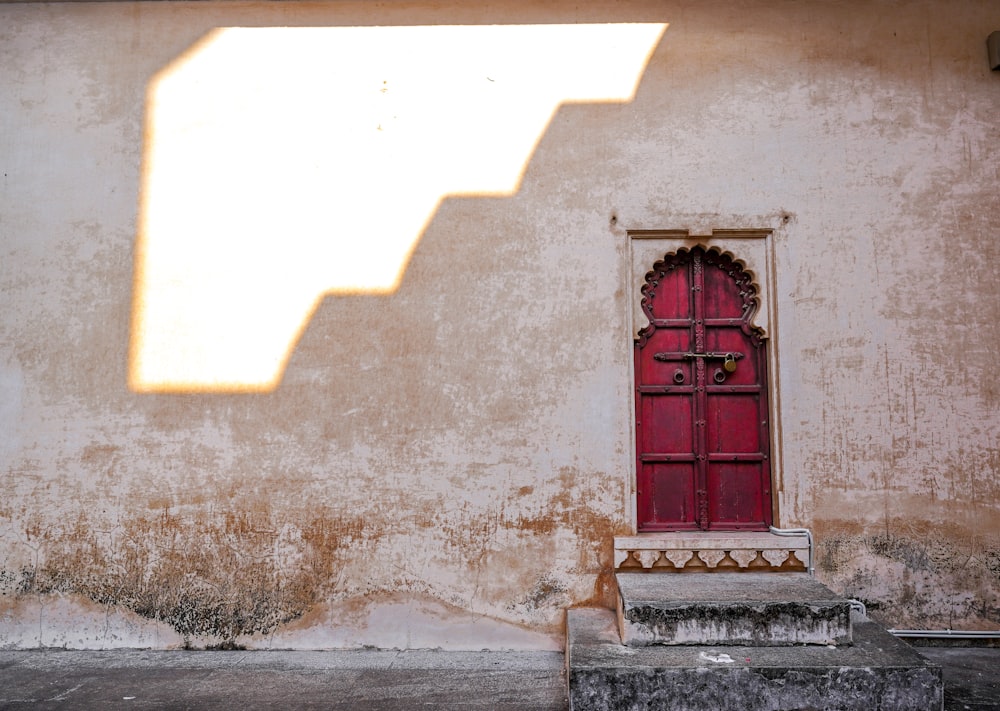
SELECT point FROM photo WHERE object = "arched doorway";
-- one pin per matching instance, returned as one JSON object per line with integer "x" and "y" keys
{"x": 702, "y": 442}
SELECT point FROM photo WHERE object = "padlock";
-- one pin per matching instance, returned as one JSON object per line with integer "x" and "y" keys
{"x": 730, "y": 363}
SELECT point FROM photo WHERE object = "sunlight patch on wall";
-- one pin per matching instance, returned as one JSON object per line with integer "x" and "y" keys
{"x": 285, "y": 164}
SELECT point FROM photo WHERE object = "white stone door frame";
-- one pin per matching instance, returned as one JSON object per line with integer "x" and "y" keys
{"x": 755, "y": 249}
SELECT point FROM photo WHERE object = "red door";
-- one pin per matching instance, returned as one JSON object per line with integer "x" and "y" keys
{"x": 701, "y": 399}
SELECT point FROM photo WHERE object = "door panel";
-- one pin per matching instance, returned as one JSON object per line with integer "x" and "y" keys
{"x": 701, "y": 399}
{"x": 665, "y": 373}
{"x": 731, "y": 340}
{"x": 671, "y": 424}
{"x": 732, "y": 502}
{"x": 673, "y": 494}
{"x": 722, "y": 296}
{"x": 724, "y": 424}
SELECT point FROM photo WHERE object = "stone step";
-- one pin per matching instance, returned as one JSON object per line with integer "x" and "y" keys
{"x": 877, "y": 672}
{"x": 751, "y": 609}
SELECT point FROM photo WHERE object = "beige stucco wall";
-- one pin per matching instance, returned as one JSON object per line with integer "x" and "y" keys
{"x": 443, "y": 461}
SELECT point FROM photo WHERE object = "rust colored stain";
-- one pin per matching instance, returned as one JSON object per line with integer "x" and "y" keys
{"x": 605, "y": 591}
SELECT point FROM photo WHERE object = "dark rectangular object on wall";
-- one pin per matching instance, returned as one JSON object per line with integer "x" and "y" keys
{"x": 993, "y": 46}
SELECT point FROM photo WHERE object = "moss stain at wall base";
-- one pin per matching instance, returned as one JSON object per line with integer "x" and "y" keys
{"x": 225, "y": 579}
{"x": 220, "y": 578}
{"x": 925, "y": 583}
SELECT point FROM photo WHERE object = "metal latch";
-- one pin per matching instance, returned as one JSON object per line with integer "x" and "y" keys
{"x": 727, "y": 356}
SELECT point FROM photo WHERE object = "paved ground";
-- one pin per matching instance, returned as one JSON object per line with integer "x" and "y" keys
{"x": 358, "y": 680}
{"x": 971, "y": 676}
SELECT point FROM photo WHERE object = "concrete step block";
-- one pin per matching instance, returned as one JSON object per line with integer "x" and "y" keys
{"x": 877, "y": 672}
{"x": 752, "y": 609}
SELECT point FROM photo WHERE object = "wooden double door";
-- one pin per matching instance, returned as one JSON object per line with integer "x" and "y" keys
{"x": 702, "y": 442}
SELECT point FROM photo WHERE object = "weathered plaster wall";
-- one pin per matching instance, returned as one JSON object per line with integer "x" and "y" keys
{"x": 445, "y": 464}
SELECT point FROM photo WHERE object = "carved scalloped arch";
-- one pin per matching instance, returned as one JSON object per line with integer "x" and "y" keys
{"x": 713, "y": 256}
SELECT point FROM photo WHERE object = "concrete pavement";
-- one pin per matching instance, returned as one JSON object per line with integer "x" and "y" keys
{"x": 971, "y": 676}
{"x": 363, "y": 680}
{"x": 360, "y": 680}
